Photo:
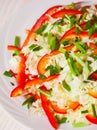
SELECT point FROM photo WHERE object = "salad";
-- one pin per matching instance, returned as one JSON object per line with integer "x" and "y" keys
{"x": 55, "y": 69}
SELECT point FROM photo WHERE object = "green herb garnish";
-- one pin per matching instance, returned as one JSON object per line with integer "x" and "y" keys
{"x": 41, "y": 29}
{"x": 73, "y": 6}
{"x": 62, "y": 120}
{"x": 66, "y": 55}
{"x": 17, "y": 41}
{"x": 8, "y": 74}
{"x": 66, "y": 86}
{"x": 53, "y": 42}
{"x": 65, "y": 42}
{"x": 80, "y": 46}
{"x": 16, "y": 52}
{"x": 32, "y": 46}
{"x": 79, "y": 124}
{"x": 37, "y": 48}
{"x": 41, "y": 76}
{"x": 94, "y": 17}
{"x": 88, "y": 25}
{"x": 28, "y": 101}
{"x": 62, "y": 50}
{"x": 94, "y": 110}
{"x": 48, "y": 94}
{"x": 95, "y": 57}
{"x": 72, "y": 20}
{"x": 73, "y": 67}
{"x": 84, "y": 111}
{"x": 12, "y": 83}
{"x": 85, "y": 81}
{"x": 53, "y": 69}
{"x": 84, "y": 16}
{"x": 77, "y": 30}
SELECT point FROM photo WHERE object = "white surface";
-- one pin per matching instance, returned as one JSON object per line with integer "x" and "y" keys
{"x": 15, "y": 24}
{"x": 7, "y": 11}
{"x": 8, "y": 123}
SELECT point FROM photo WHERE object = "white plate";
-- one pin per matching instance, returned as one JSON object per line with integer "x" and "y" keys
{"x": 24, "y": 19}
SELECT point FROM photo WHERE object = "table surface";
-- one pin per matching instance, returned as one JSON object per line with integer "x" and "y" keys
{"x": 6, "y": 7}
{"x": 7, "y": 122}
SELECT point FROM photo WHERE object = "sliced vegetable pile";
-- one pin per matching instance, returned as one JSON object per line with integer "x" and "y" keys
{"x": 56, "y": 67}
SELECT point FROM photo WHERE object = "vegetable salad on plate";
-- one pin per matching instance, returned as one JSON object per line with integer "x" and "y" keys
{"x": 56, "y": 67}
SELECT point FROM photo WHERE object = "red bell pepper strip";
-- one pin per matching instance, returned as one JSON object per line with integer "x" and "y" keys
{"x": 46, "y": 108}
{"x": 91, "y": 118}
{"x": 80, "y": 35}
{"x": 93, "y": 46}
{"x": 74, "y": 105}
{"x": 43, "y": 61}
{"x": 21, "y": 76}
{"x": 61, "y": 13}
{"x": 33, "y": 82}
{"x": 13, "y": 48}
{"x": 70, "y": 31}
{"x": 94, "y": 76}
{"x": 69, "y": 48}
{"x": 39, "y": 81}
{"x": 57, "y": 109}
{"x": 93, "y": 94}
{"x": 16, "y": 91}
{"x": 39, "y": 23}
{"x": 52, "y": 77}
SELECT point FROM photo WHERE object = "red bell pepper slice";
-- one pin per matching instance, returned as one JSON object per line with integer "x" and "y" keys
{"x": 33, "y": 82}
{"x": 91, "y": 118}
{"x": 13, "y": 48}
{"x": 61, "y": 13}
{"x": 39, "y": 23}
{"x": 80, "y": 35}
{"x": 52, "y": 77}
{"x": 39, "y": 81}
{"x": 93, "y": 46}
{"x": 93, "y": 94}
{"x": 70, "y": 31}
{"x": 44, "y": 60}
{"x": 21, "y": 76}
{"x": 94, "y": 76}
{"x": 46, "y": 108}
{"x": 16, "y": 91}
{"x": 57, "y": 109}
